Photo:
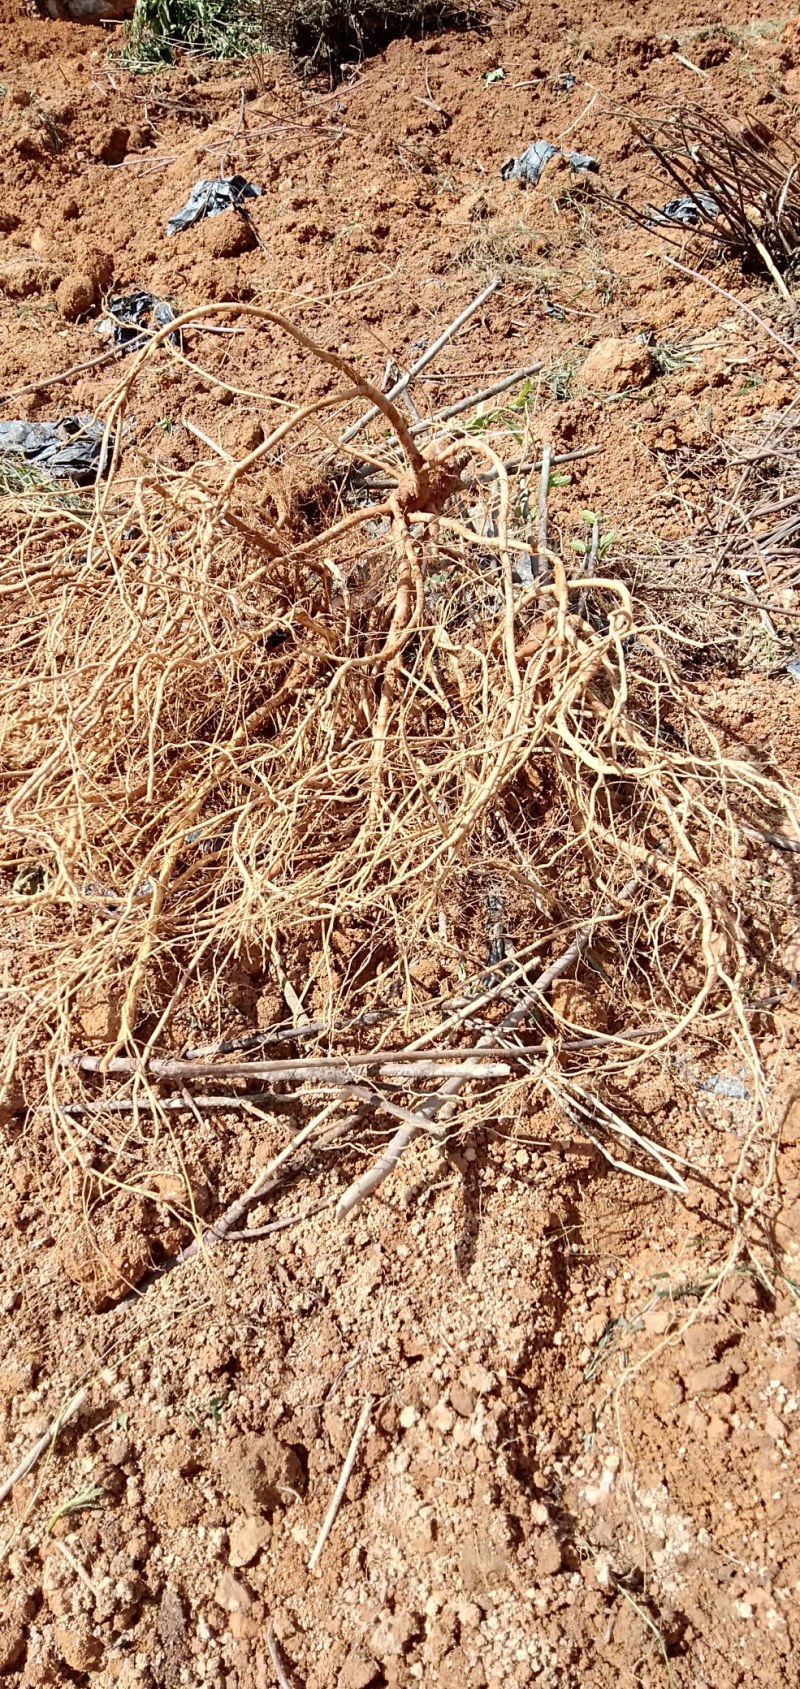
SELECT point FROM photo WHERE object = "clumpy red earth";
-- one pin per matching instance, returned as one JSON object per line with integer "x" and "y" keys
{"x": 581, "y": 1464}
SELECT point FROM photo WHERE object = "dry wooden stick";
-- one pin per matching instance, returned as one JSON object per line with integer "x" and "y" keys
{"x": 350, "y": 1460}
{"x": 335, "y": 1070}
{"x": 289, "y": 1034}
{"x": 46, "y": 381}
{"x": 293, "y": 1002}
{"x": 541, "y": 519}
{"x": 264, "y": 1182}
{"x": 511, "y": 380}
{"x": 170, "y": 1105}
{"x": 740, "y": 304}
{"x": 47, "y": 1438}
{"x": 512, "y": 466}
{"x": 275, "y": 1657}
{"x": 277, "y": 1225}
{"x": 80, "y": 1570}
{"x": 427, "y": 358}
{"x": 362, "y": 1187}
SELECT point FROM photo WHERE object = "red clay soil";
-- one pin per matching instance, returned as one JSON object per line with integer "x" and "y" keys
{"x": 581, "y": 1464}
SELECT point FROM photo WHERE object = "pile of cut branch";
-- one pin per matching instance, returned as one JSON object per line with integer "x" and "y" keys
{"x": 247, "y": 711}
{"x": 738, "y": 187}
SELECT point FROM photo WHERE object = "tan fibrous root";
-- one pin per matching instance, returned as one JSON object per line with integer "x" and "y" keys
{"x": 234, "y": 713}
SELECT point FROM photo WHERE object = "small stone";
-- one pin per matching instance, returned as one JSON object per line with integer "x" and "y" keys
{"x": 78, "y": 1647}
{"x": 171, "y": 1623}
{"x": 358, "y": 1671}
{"x": 712, "y": 1380}
{"x": 242, "y": 1627}
{"x": 601, "y": 1567}
{"x": 667, "y": 1394}
{"x": 119, "y": 1450}
{"x": 440, "y": 1638}
{"x": 701, "y": 1343}
{"x": 787, "y": 1368}
{"x": 614, "y": 365}
{"x": 421, "y": 1535}
{"x": 469, "y": 1615}
{"x": 790, "y": 1130}
{"x": 13, "y": 1637}
{"x": 462, "y": 1400}
{"x": 442, "y": 1417}
{"x": 247, "y": 1536}
{"x": 393, "y": 1634}
{"x": 774, "y": 1427}
{"x": 454, "y": 1672}
{"x": 75, "y": 296}
{"x": 260, "y": 1473}
{"x": 477, "y": 1378}
{"x": 408, "y": 1417}
{"x": 717, "y": 1430}
{"x": 231, "y": 1595}
{"x": 242, "y": 435}
{"x": 743, "y": 1610}
{"x": 549, "y": 1557}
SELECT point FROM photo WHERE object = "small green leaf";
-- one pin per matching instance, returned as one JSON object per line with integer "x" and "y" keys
{"x": 88, "y": 1499}
{"x": 215, "y": 1406}
{"x": 496, "y": 75}
{"x": 579, "y": 546}
{"x": 606, "y": 542}
{"x": 558, "y": 478}
{"x": 589, "y": 517}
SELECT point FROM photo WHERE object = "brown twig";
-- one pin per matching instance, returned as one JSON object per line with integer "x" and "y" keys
{"x": 44, "y": 1442}
{"x": 249, "y": 1234}
{"x": 474, "y": 399}
{"x": 740, "y": 304}
{"x": 374, "y": 1176}
{"x": 338, "y": 1494}
{"x": 427, "y": 358}
{"x": 46, "y": 381}
{"x": 335, "y": 1069}
{"x": 545, "y": 573}
{"x": 280, "y": 1671}
{"x": 79, "y": 1569}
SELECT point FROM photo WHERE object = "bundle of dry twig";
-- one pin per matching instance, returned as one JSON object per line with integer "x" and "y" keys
{"x": 739, "y": 189}
{"x": 239, "y": 712}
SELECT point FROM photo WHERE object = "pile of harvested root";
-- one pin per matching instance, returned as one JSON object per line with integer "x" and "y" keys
{"x": 251, "y": 709}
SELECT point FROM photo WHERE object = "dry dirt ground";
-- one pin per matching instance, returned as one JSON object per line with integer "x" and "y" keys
{"x": 581, "y": 1461}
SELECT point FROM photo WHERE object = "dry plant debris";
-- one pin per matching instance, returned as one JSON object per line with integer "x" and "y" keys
{"x": 742, "y": 182}
{"x": 244, "y": 706}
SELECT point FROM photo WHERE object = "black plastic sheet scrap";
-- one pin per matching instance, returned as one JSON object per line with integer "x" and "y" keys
{"x": 527, "y": 169}
{"x": 689, "y": 210}
{"x": 582, "y": 161}
{"x": 71, "y": 448}
{"x": 209, "y": 198}
{"x": 129, "y": 314}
